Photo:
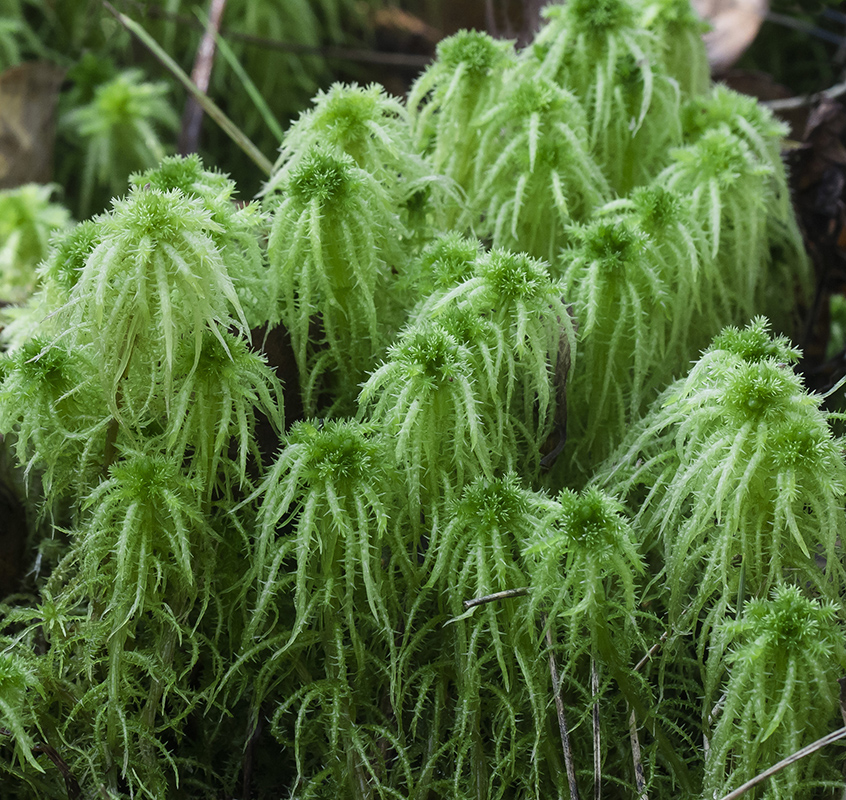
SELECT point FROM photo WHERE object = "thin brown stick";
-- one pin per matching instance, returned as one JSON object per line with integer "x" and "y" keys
{"x": 71, "y": 784}
{"x": 192, "y": 118}
{"x": 651, "y": 651}
{"x": 210, "y": 107}
{"x": 562, "y": 716}
{"x": 801, "y": 101}
{"x": 492, "y": 598}
{"x": 840, "y": 733}
{"x": 597, "y": 739}
{"x": 842, "y": 682}
{"x": 637, "y": 760}
{"x": 714, "y": 713}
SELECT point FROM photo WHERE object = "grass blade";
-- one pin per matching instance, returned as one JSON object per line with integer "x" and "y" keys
{"x": 249, "y": 87}
{"x": 207, "y": 104}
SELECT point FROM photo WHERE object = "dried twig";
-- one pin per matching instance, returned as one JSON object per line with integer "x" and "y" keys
{"x": 209, "y": 106}
{"x": 562, "y": 717}
{"x": 714, "y": 713}
{"x": 492, "y": 598}
{"x": 789, "y": 103}
{"x": 840, "y": 733}
{"x": 597, "y": 739}
{"x": 651, "y": 651}
{"x": 640, "y": 780}
{"x": 192, "y": 118}
{"x": 71, "y": 784}
{"x": 713, "y": 716}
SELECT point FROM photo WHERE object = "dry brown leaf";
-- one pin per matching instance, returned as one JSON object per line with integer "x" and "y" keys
{"x": 28, "y": 95}
{"x": 396, "y": 19}
{"x": 734, "y": 24}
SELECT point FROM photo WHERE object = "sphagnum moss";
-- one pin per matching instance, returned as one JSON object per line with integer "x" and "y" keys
{"x": 535, "y": 175}
{"x": 449, "y": 96}
{"x": 391, "y": 607}
{"x": 333, "y": 238}
{"x": 781, "y": 691}
{"x": 598, "y": 51}
{"x": 155, "y": 273}
{"x": 745, "y": 481}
